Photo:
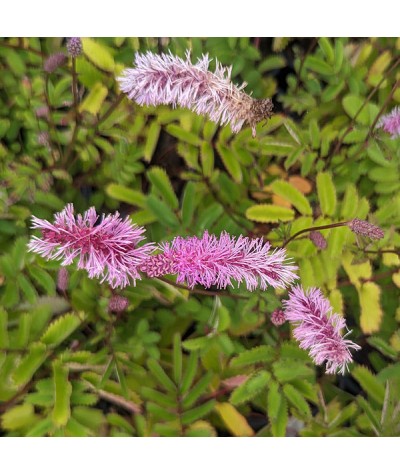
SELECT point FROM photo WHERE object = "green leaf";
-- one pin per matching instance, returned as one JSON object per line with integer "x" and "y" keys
{"x": 231, "y": 162}
{"x": 382, "y": 346}
{"x": 353, "y": 103}
{"x": 269, "y": 213}
{"x": 3, "y": 328}
{"x": 198, "y": 390}
{"x": 177, "y": 361}
{"x": 27, "y": 288}
{"x": 207, "y": 159}
{"x": 371, "y": 311}
{"x": 164, "y": 214}
{"x": 278, "y": 426}
{"x": 183, "y": 135}
{"x": 274, "y": 400}
{"x": 251, "y": 387}
{"x": 94, "y": 100}
{"x": 30, "y": 363}
{"x": 370, "y": 383}
{"x": 326, "y": 193}
{"x": 188, "y": 203}
{"x": 18, "y": 417}
{"x": 153, "y": 135}
{"x": 327, "y": 48}
{"x": 297, "y": 400}
{"x": 293, "y": 195}
{"x": 350, "y": 202}
{"x": 162, "y": 185}
{"x": 190, "y": 372}
{"x": 192, "y": 415}
{"x": 288, "y": 370}
{"x": 62, "y": 394}
{"x": 43, "y": 279}
{"x": 126, "y": 195}
{"x": 62, "y": 328}
{"x": 259, "y": 354}
{"x": 98, "y": 54}
{"x": 318, "y": 65}
{"x": 161, "y": 376}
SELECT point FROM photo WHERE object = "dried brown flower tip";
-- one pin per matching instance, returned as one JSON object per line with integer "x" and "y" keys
{"x": 278, "y": 317}
{"x": 260, "y": 109}
{"x": 364, "y": 228}
{"x": 318, "y": 239}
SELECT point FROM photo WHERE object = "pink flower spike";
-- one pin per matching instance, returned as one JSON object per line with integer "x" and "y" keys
{"x": 318, "y": 329}
{"x": 210, "y": 260}
{"x": 390, "y": 123}
{"x": 168, "y": 79}
{"x": 107, "y": 250}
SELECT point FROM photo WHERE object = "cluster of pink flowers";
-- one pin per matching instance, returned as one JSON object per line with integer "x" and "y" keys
{"x": 109, "y": 250}
{"x": 319, "y": 329}
{"x": 218, "y": 261}
{"x": 168, "y": 79}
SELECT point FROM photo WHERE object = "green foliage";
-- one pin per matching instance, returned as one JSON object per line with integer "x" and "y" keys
{"x": 178, "y": 362}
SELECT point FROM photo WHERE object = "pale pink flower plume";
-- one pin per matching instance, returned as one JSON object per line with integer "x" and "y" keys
{"x": 218, "y": 261}
{"x": 107, "y": 250}
{"x": 318, "y": 329}
{"x": 168, "y": 79}
{"x": 390, "y": 123}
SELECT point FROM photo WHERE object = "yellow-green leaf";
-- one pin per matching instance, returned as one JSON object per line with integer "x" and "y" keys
{"x": 18, "y": 417}
{"x": 61, "y": 329}
{"x": 62, "y": 394}
{"x": 233, "y": 420}
{"x": 98, "y": 54}
{"x": 371, "y": 310}
{"x": 326, "y": 193}
{"x": 370, "y": 383}
{"x": 293, "y": 195}
{"x": 269, "y": 213}
{"x": 94, "y": 99}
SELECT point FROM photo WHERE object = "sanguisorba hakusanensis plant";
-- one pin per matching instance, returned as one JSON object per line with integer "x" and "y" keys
{"x": 167, "y": 79}
{"x": 109, "y": 250}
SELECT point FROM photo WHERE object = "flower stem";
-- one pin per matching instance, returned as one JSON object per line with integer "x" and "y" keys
{"x": 314, "y": 228}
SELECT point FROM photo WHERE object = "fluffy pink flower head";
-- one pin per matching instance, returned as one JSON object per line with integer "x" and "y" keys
{"x": 168, "y": 79}
{"x": 212, "y": 260}
{"x": 107, "y": 250}
{"x": 318, "y": 329}
{"x": 390, "y": 123}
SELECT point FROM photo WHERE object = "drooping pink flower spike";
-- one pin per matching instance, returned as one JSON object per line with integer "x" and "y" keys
{"x": 108, "y": 251}
{"x": 168, "y": 79}
{"x": 319, "y": 329}
{"x": 219, "y": 261}
{"x": 390, "y": 123}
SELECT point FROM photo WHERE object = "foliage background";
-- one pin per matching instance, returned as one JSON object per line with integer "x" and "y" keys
{"x": 199, "y": 363}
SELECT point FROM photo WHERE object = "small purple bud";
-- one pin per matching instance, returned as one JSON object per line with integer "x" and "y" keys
{"x": 42, "y": 112}
{"x": 278, "y": 317}
{"x": 62, "y": 279}
{"x": 74, "y": 47}
{"x": 43, "y": 138}
{"x": 117, "y": 304}
{"x": 318, "y": 239}
{"x": 390, "y": 123}
{"x": 364, "y": 228}
{"x": 53, "y": 62}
